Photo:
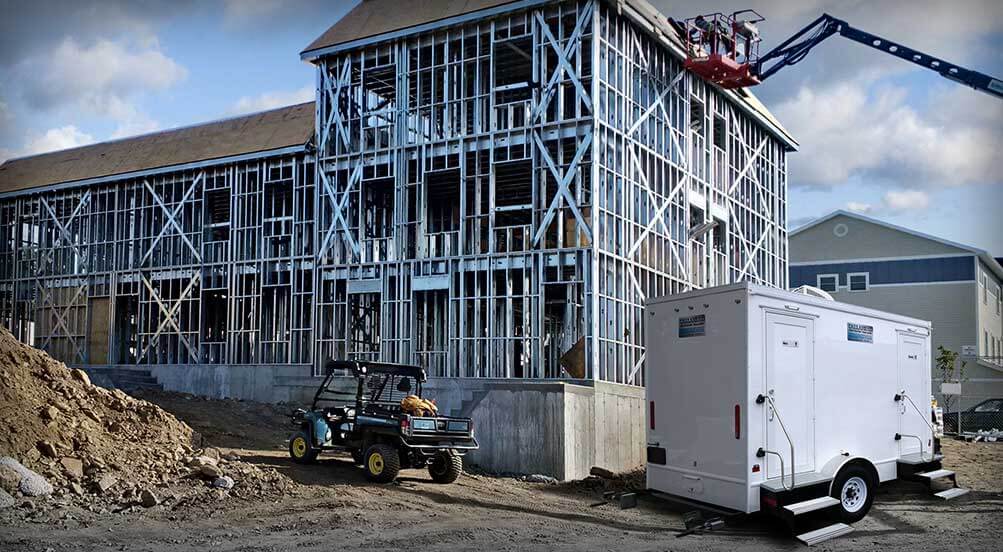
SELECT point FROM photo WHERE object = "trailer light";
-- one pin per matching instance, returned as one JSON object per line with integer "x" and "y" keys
{"x": 424, "y": 425}
{"x": 405, "y": 425}
{"x": 457, "y": 426}
{"x": 738, "y": 422}
{"x": 770, "y": 501}
{"x": 651, "y": 414}
{"x": 755, "y": 468}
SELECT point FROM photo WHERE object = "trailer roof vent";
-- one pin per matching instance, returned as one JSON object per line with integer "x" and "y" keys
{"x": 813, "y": 292}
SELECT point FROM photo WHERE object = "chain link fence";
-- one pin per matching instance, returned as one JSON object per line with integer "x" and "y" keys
{"x": 979, "y": 407}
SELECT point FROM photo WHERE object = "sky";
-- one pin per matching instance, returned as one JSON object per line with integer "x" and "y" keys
{"x": 878, "y": 135}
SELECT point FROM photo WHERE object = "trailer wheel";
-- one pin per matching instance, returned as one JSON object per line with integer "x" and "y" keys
{"x": 854, "y": 489}
{"x": 445, "y": 467}
{"x": 300, "y": 450}
{"x": 382, "y": 463}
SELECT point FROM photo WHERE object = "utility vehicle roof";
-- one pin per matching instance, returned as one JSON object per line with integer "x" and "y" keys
{"x": 359, "y": 367}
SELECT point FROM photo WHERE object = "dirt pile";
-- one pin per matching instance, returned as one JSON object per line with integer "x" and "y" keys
{"x": 100, "y": 445}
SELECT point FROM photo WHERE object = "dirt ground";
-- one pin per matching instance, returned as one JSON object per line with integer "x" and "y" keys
{"x": 331, "y": 506}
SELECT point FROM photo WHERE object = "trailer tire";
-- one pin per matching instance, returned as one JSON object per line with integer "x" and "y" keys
{"x": 300, "y": 449}
{"x": 382, "y": 463}
{"x": 445, "y": 467}
{"x": 854, "y": 488}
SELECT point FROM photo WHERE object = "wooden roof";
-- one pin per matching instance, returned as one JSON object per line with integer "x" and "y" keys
{"x": 257, "y": 132}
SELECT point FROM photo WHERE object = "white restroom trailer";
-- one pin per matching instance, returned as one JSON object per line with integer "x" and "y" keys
{"x": 764, "y": 399}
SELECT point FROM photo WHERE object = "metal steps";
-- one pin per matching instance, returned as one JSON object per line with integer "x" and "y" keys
{"x": 936, "y": 474}
{"x": 812, "y": 505}
{"x": 825, "y": 533}
{"x": 951, "y": 493}
{"x": 954, "y": 492}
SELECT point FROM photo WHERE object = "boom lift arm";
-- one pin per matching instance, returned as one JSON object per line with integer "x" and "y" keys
{"x": 724, "y": 49}
{"x": 797, "y": 47}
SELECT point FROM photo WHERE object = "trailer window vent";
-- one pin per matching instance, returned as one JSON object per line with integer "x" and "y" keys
{"x": 651, "y": 414}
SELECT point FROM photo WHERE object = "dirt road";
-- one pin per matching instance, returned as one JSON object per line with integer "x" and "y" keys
{"x": 331, "y": 506}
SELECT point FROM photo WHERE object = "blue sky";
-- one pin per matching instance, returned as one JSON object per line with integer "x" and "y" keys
{"x": 879, "y": 136}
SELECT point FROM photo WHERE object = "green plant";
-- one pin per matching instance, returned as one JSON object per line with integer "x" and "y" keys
{"x": 946, "y": 362}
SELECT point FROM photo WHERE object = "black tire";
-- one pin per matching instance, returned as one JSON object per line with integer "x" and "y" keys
{"x": 445, "y": 467}
{"x": 300, "y": 449}
{"x": 847, "y": 488}
{"x": 382, "y": 463}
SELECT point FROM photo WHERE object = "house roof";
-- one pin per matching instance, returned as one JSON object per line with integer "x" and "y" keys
{"x": 372, "y": 18}
{"x": 988, "y": 259}
{"x": 258, "y": 132}
{"x": 377, "y": 20}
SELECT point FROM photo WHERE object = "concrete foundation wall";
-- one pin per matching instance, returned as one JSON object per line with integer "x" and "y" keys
{"x": 556, "y": 428}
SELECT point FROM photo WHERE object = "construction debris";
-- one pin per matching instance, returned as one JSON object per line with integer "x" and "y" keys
{"x": 984, "y": 435}
{"x": 602, "y": 472}
{"x": 61, "y": 435}
{"x": 539, "y": 478}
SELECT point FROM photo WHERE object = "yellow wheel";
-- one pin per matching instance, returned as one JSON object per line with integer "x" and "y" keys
{"x": 382, "y": 463}
{"x": 300, "y": 450}
{"x": 376, "y": 463}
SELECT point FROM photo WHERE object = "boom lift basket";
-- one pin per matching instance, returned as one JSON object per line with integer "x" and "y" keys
{"x": 724, "y": 49}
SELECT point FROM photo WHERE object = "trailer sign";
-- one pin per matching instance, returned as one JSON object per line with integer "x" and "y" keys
{"x": 693, "y": 326}
{"x": 860, "y": 333}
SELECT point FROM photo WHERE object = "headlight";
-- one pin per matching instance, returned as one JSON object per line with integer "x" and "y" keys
{"x": 458, "y": 426}
{"x": 424, "y": 425}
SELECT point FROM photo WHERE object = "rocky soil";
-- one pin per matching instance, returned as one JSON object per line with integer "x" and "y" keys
{"x": 103, "y": 450}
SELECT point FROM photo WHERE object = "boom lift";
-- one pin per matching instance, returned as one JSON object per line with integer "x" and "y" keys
{"x": 724, "y": 49}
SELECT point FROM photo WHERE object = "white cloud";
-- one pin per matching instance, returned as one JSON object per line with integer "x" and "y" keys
{"x": 100, "y": 78}
{"x": 859, "y": 207}
{"x": 54, "y": 139}
{"x": 906, "y": 200}
{"x": 846, "y": 131}
{"x": 272, "y": 100}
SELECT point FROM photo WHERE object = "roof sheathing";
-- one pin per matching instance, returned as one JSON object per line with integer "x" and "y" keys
{"x": 286, "y": 127}
{"x": 375, "y": 21}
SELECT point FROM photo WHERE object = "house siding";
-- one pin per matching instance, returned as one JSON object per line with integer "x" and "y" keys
{"x": 863, "y": 240}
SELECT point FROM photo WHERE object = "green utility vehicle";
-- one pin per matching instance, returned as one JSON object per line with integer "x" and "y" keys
{"x": 370, "y": 424}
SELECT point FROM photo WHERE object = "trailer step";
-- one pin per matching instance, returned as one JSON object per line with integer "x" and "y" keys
{"x": 825, "y": 533}
{"x": 951, "y": 493}
{"x": 819, "y": 503}
{"x": 936, "y": 474}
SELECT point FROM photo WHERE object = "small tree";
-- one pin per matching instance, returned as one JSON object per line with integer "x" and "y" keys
{"x": 946, "y": 361}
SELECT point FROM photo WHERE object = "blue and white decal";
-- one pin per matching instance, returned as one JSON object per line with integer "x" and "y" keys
{"x": 861, "y": 333}
{"x": 693, "y": 326}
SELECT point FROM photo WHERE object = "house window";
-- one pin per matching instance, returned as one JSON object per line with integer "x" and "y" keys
{"x": 858, "y": 281}
{"x": 827, "y": 282}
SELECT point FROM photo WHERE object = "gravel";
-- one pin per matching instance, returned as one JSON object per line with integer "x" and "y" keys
{"x": 31, "y": 483}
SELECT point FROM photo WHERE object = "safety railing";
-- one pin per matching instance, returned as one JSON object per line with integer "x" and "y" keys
{"x": 763, "y": 452}
{"x": 899, "y": 397}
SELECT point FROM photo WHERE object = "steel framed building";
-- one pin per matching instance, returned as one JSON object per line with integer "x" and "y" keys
{"x": 501, "y": 189}
{"x": 188, "y": 246}
{"x": 490, "y": 188}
